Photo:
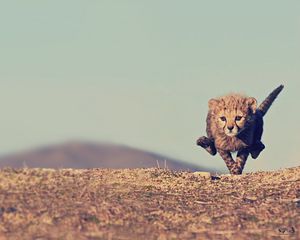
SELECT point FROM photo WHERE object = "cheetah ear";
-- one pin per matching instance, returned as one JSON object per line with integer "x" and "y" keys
{"x": 212, "y": 103}
{"x": 252, "y": 103}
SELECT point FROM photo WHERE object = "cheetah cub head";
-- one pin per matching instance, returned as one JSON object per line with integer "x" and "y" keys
{"x": 232, "y": 113}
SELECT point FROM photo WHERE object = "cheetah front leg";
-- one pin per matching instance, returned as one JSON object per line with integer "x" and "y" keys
{"x": 240, "y": 162}
{"x": 230, "y": 163}
{"x": 208, "y": 144}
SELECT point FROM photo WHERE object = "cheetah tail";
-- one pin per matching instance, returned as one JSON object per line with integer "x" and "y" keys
{"x": 266, "y": 104}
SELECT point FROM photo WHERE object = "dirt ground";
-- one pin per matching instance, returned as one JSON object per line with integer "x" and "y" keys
{"x": 148, "y": 204}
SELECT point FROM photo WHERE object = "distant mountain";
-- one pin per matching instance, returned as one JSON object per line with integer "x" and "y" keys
{"x": 92, "y": 155}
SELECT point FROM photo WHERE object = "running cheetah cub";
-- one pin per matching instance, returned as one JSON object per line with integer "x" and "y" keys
{"x": 235, "y": 124}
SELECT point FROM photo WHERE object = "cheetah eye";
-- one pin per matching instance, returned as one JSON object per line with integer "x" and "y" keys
{"x": 223, "y": 119}
{"x": 238, "y": 118}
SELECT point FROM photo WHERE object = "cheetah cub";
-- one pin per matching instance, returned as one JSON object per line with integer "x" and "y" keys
{"x": 235, "y": 124}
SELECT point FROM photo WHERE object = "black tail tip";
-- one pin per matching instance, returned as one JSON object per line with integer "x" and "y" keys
{"x": 280, "y": 87}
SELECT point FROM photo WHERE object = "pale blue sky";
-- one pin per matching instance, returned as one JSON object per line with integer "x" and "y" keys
{"x": 140, "y": 73}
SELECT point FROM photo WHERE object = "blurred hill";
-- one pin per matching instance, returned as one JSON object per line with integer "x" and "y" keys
{"x": 92, "y": 155}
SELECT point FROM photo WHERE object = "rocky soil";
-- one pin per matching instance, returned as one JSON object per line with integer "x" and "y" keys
{"x": 148, "y": 204}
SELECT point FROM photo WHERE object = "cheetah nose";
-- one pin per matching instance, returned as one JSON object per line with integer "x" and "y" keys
{"x": 230, "y": 128}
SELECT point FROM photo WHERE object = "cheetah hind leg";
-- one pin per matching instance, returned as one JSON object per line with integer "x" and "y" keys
{"x": 207, "y": 144}
{"x": 256, "y": 149}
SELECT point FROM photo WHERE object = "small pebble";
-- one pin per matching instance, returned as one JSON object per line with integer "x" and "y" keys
{"x": 202, "y": 174}
{"x": 11, "y": 210}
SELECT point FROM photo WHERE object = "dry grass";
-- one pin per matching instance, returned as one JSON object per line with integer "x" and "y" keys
{"x": 148, "y": 204}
